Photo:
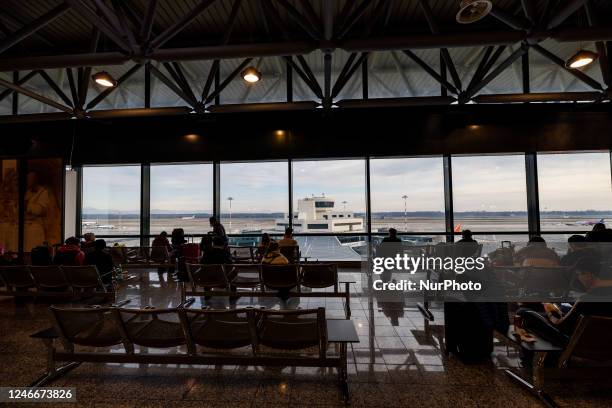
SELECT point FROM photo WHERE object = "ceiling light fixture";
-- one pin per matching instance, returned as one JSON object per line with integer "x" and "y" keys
{"x": 192, "y": 137}
{"x": 104, "y": 79}
{"x": 251, "y": 75}
{"x": 581, "y": 59}
{"x": 471, "y": 11}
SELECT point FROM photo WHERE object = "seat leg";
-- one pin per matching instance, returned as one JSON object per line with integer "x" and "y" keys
{"x": 537, "y": 387}
{"x": 424, "y": 309}
{"x": 348, "y": 300}
{"x": 58, "y": 372}
{"x": 343, "y": 375}
{"x": 53, "y": 371}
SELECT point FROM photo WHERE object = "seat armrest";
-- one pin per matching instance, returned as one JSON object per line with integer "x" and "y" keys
{"x": 186, "y": 303}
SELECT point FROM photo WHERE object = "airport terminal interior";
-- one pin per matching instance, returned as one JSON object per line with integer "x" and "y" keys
{"x": 306, "y": 203}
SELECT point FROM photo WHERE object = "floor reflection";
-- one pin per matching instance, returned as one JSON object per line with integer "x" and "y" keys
{"x": 400, "y": 361}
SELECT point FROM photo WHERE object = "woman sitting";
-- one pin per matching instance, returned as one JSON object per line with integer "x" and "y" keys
{"x": 274, "y": 256}
{"x": 262, "y": 248}
{"x": 536, "y": 253}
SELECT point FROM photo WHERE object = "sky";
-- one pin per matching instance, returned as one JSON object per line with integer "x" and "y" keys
{"x": 567, "y": 182}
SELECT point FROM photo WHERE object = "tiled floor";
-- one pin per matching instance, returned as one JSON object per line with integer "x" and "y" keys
{"x": 394, "y": 365}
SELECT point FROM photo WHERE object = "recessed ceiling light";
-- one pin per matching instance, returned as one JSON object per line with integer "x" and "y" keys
{"x": 104, "y": 79}
{"x": 192, "y": 137}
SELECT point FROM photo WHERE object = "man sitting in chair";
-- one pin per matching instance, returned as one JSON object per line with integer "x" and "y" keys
{"x": 558, "y": 322}
{"x": 214, "y": 250}
{"x": 392, "y": 237}
{"x": 466, "y": 237}
{"x": 102, "y": 260}
{"x": 287, "y": 240}
{"x": 289, "y": 247}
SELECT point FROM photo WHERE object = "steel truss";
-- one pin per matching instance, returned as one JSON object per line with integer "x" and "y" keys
{"x": 136, "y": 42}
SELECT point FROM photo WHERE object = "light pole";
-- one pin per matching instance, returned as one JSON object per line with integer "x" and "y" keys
{"x": 230, "y": 199}
{"x": 344, "y": 206}
{"x": 405, "y": 197}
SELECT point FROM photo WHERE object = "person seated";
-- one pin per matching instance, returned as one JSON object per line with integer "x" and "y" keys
{"x": 558, "y": 323}
{"x": 102, "y": 260}
{"x": 287, "y": 240}
{"x": 599, "y": 233}
{"x": 466, "y": 236}
{"x": 392, "y": 237}
{"x": 70, "y": 253}
{"x": 218, "y": 229}
{"x": 262, "y": 248}
{"x": 88, "y": 244}
{"x": 178, "y": 238}
{"x": 577, "y": 248}
{"x": 41, "y": 256}
{"x": 274, "y": 256}
{"x": 215, "y": 251}
{"x": 536, "y": 253}
{"x": 162, "y": 241}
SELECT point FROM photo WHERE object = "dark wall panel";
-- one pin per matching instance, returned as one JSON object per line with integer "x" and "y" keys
{"x": 312, "y": 134}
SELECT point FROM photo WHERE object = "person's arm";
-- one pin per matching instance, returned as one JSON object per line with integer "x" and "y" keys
{"x": 561, "y": 319}
{"x": 553, "y": 312}
{"x": 80, "y": 258}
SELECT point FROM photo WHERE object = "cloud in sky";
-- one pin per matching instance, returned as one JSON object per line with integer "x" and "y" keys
{"x": 255, "y": 187}
{"x": 115, "y": 188}
{"x": 421, "y": 179}
{"x": 489, "y": 183}
{"x": 343, "y": 180}
{"x": 480, "y": 183}
{"x": 182, "y": 187}
{"x": 575, "y": 181}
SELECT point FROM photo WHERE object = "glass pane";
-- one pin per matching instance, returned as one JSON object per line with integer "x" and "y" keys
{"x": 254, "y": 197}
{"x": 9, "y": 202}
{"x": 558, "y": 242}
{"x": 490, "y": 193}
{"x": 181, "y": 197}
{"x": 575, "y": 190}
{"x": 329, "y": 197}
{"x": 43, "y": 203}
{"x": 111, "y": 200}
{"x": 407, "y": 194}
{"x": 492, "y": 242}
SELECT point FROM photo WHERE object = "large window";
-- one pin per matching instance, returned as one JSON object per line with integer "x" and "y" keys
{"x": 575, "y": 190}
{"x": 489, "y": 194}
{"x": 111, "y": 200}
{"x": 329, "y": 211}
{"x": 181, "y": 197}
{"x": 254, "y": 196}
{"x": 316, "y": 184}
{"x": 407, "y": 194}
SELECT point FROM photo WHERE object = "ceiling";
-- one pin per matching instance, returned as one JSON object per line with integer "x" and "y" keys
{"x": 168, "y": 48}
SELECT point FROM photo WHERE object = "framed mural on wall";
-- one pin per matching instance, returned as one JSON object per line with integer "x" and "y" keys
{"x": 9, "y": 206}
{"x": 43, "y": 203}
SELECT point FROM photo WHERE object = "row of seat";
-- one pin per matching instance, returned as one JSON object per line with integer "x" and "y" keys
{"x": 265, "y": 280}
{"x": 173, "y": 327}
{"x": 52, "y": 280}
{"x": 213, "y": 337}
{"x": 159, "y": 257}
{"x": 311, "y": 275}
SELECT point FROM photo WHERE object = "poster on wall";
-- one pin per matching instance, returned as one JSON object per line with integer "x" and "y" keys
{"x": 9, "y": 206}
{"x": 42, "y": 203}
